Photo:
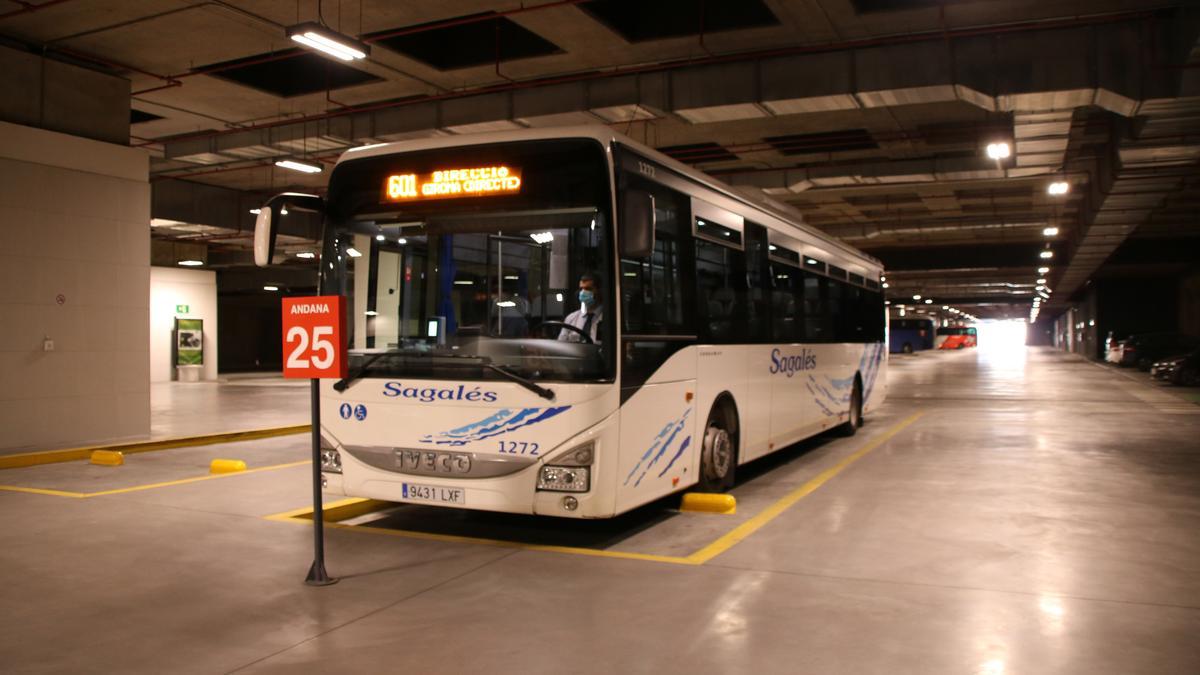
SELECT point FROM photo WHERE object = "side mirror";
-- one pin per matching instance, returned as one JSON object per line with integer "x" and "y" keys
{"x": 266, "y": 225}
{"x": 264, "y": 237}
{"x": 637, "y": 225}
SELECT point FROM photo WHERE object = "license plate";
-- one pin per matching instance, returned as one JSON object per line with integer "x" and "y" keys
{"x": 433, "y": 493}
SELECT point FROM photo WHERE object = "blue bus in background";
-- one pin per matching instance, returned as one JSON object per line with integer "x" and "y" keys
{"x": 910, "y": 335}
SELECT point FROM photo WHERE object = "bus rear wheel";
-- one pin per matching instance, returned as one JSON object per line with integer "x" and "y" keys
{"x": 718, "y": 453}
{"x": 856, "y": 418}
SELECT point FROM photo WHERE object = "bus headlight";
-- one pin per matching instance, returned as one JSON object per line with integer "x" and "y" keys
{"x": 564, "y": 478}
{"x": 570, "y": 472}
{"x": 331, "y": 459}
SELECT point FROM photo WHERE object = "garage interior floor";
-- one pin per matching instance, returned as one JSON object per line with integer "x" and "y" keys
{"x": 1004, "y": 512}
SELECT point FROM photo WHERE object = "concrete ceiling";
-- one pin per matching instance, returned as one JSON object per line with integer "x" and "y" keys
{"x": 872, "y": 123}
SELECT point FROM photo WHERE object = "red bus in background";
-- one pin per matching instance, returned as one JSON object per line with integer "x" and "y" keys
{"x": 956, "y": 337}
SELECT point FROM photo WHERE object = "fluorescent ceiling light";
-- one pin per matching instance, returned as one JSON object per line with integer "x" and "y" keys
{"x": 326, "y": 41}
{"x": 1041, "y": 281}
{"x": 1047, "y": 254}
{"x": 998, "y": 150}
{"x": 1043, "y": 270}
{"x": 380, "y": 237}
{"x": 1050, "y": 231}
{"x": 353, "y": 253}
{"x": 929, "y": 301}
{"x": 371, "y": 312}
{"x": 506, "y": 303}
{"x": 298, "y": 166}
{"x": 270, "y": 288}
{"x": 256, "y": 211}
{"x": 307, "y": 255}
{"x": 190, "y": 263}
{"x": 542, "y": 237}
{"x": 1058, "y": 187}
{"x": 917, "y": 296}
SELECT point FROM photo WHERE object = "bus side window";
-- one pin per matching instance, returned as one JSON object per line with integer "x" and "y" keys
{"x": 758, "y": 281}
{"x": 787, "y": 304}
{"x": 817, "y": 320}
{"x": 720, "y": 294}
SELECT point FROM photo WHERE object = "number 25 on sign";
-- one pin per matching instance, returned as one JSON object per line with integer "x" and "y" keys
{"x": 314, "y": 337}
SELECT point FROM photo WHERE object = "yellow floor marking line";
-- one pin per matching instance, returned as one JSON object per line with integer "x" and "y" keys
{"x": 768, "y": 514}
{"x": 351, "y": 508}
{"x": 75, "y": 454}
{"x": 150, "y": 486}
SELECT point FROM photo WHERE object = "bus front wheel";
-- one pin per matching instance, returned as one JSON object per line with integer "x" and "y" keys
{"x": 718, "y": 454}
{"x": 907, "y": 348}
{"x": 856, "y": 418}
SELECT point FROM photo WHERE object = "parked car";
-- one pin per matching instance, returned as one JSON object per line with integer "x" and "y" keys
{"x": 1143, "y": 350}
{"x": 1183, "y": 369}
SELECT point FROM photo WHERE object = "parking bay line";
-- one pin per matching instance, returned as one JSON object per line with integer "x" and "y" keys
{"x": 149, "y": 486}
{"x": 350, "y": 508}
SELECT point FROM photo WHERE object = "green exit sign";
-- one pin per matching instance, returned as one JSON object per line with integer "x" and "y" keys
{"x": 181, "y": 309}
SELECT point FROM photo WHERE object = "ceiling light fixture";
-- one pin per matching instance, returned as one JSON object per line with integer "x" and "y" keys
{"x": 1050, "y": 231}
{"x": 318, "y": 37}
{"x": 190, "y": 263}
{"x": 294, "y": 165}
{"x": 1041, "y": 281}
{"x": 353, "y": 253}
{"x": 256, "y": 211}
{"x": 1043, "y": 270}
{"x": 307, "y": 255}
{"x": 270, "y": 288}
{"x": 917, "y": 296}
{"x": 1047, "y": 254}
{"x": 1059, "y": 187}
{"x": 998, "y": 150}
{"x": 929, "y": 301}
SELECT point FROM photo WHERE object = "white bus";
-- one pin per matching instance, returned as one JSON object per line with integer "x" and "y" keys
{"x": 715, "y": 328}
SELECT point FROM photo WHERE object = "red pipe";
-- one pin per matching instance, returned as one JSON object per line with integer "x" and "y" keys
{"x": 785, "y": 51}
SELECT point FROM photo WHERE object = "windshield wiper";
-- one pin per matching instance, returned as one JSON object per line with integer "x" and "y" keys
{"x": 536, "y": 388}
{"x": 357, "y": 373}
{"x": 343, "y": 384}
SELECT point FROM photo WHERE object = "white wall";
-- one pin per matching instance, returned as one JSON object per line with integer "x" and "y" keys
{"x": 74, "y": 267}
{"x": 178, "y": 286}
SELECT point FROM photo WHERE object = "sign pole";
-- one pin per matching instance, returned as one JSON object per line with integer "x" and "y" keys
{"x": 317, "y": 576}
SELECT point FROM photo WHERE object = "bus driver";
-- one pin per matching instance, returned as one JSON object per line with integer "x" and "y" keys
{"x": 589, "y": 315}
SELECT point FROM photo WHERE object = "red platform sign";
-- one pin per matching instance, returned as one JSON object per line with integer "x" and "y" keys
{"x": 314, "y": 337}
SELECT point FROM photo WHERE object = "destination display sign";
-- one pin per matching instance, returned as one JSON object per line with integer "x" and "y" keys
{"x": 479, "y": 181}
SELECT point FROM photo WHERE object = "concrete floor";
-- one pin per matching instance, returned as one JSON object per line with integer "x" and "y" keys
{"x": 1040, "y": 516}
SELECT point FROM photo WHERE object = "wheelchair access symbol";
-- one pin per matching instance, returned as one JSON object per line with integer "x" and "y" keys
{"x": 360, "y": 412}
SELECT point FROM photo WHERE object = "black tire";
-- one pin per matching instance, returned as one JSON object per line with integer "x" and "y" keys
{"x": 718, "y": 450}
{"x": 856, "y": 418}
{"x": 907, "y": 348}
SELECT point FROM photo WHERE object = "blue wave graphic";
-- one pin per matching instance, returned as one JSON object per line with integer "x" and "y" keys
{"x": 682, "y": 446}
{"x": 661, "y": 443}
{"x": 499, "y": 423}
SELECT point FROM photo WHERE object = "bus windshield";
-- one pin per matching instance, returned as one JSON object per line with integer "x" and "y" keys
{"x": 478, "y": 286}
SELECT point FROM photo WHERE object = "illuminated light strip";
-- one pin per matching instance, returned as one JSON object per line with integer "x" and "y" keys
{"x": 298, "y": 166}
{"x": 724, "y": 543}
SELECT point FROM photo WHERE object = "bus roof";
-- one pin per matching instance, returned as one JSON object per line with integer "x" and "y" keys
{"x": 782, "y": 215}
